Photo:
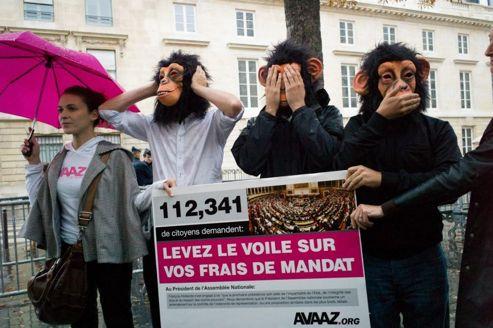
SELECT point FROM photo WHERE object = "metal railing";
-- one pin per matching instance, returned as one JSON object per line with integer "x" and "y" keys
{"x": 20, "y": 259}
{"x": 454, "y": 219}
{"x": 234, "y": 175}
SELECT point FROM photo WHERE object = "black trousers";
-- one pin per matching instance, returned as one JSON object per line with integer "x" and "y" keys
{"x": 150, "y": 280}
{"x": 113, "y": 281}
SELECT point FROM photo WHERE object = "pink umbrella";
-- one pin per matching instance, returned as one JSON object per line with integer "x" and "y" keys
{"x": 34, "y": 73}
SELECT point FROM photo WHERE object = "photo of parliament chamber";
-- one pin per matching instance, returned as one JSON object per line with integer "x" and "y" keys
{"x": 302, "y": 207}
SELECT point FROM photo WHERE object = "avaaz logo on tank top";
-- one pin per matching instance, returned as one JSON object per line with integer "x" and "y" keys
{"x": 73, "y": 171}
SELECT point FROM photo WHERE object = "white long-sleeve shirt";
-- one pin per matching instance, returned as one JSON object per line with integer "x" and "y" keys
{"x": 69, "y": 182}
{"x": 191, "y": 152}
{"x": 34, "y": 176}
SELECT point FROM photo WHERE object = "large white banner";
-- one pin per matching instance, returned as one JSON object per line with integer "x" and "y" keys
{"x": 274, "y": 252}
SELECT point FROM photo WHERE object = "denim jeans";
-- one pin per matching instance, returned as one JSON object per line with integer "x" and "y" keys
{"x": 415, "y": 287}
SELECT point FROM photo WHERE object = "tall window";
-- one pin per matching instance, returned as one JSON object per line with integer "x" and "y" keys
{"x": 428, "y": 40}
{"x": 389, "y": 34}
{"x": 244, "y": 23}
{"x": 465, "y": 90}
{"x": 349, "y": 99}
{"x": 463, "y": 43}
{"x": 247, "y": 74}
{"x": 184, "y": 17}
{"x": 49, "y": 146}
{"x": 38, "y": 10}
{"x": 433, "y": 89}
{"x": 466, "y": 139}
{"x": 107, "y": 59}
{"x": 98, "y": 12}
{"x": 346, "y": 32}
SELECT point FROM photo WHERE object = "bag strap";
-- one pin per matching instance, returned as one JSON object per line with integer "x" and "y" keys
{"x": 85, "y": 216}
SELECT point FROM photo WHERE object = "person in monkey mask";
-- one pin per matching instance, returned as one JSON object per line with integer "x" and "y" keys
{"x": 186, "y": 137}
{"x": 297, "y": 131}
{"x": 391, "y": 146}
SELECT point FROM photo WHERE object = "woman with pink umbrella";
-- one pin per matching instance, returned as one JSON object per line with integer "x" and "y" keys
{"x": 113, "y": 237}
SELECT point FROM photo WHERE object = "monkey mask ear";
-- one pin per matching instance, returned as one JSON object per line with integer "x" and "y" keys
{"x": 315, "y": 68}
{"x": 360, "y": 83}
{"x": 425, "y": 67}
{"x": 262, "y": 75}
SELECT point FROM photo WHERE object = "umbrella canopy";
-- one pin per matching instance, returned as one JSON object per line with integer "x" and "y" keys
{"x": 34, "y": 74}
